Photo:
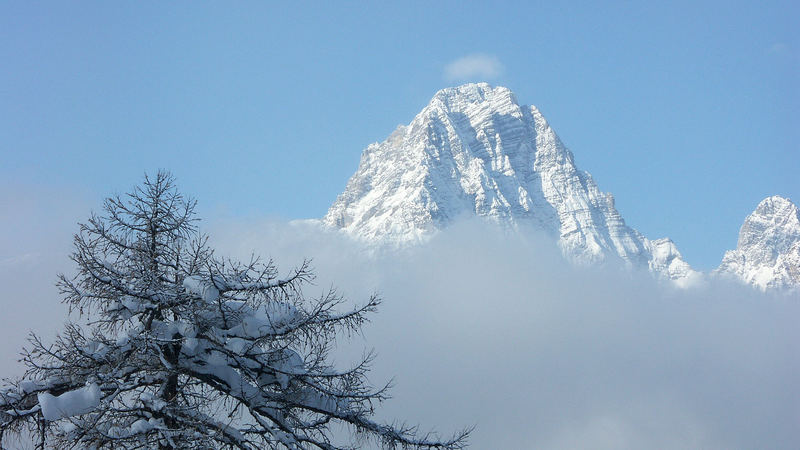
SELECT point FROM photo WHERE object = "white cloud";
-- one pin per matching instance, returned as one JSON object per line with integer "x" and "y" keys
{"x": 778, "y": 48}
{"x": 475, "y": 66}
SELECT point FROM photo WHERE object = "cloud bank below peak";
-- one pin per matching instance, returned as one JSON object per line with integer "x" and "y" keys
{"x": 497, "y": 330}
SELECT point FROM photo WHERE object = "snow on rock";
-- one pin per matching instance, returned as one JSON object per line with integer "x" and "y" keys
{"x": 767, "y": 254}
{"x": 667, "y": 261}
{"x": 474, "y": 150}
{"x": 72, "y": 403}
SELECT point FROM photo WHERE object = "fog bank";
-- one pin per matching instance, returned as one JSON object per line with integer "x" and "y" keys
{"x": 482, "y": 328}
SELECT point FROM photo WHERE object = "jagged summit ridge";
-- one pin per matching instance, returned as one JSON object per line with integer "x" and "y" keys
{"x": 767, "y": 254}
{"x": 474, "y": 150}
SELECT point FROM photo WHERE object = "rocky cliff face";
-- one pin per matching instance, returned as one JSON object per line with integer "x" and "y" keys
{"x": 768, "y": 252}
{"x": 474, "y": 150}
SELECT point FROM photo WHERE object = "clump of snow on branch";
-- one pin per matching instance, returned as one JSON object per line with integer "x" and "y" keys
{"x": 72, "y": 403}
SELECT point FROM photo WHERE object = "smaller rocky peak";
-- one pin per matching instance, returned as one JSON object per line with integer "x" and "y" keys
{"x": 767, "y": 254}
{"x": 667, "y": 261}
{"x": 774, "y": 223}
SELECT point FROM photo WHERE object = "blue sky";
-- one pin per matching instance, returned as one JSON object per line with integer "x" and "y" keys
{"x": 687, "y": 112}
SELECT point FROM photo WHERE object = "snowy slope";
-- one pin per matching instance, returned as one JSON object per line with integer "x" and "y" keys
{"x": 474, "y": 150}
{"x": 768, "y": 252}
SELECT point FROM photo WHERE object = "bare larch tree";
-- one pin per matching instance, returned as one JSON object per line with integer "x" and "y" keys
{"x": 181, "y": 349}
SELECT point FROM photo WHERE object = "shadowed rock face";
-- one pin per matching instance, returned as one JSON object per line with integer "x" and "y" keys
{"x": 768, "y": 252}
{"x": 475, "y": 151}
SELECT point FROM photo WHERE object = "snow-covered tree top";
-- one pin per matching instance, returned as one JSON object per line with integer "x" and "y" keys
{"x": 188, "y": 350}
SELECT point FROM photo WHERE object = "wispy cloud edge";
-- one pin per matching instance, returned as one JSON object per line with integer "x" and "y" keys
{"x": 475, "y": 65}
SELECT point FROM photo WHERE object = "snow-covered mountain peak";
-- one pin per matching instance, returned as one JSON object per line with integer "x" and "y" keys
{"x": 774, "y": 219}
{"x": 767, "y": 254}
{"x": 458, "y": 98}
{"x": 475, "y": 151}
